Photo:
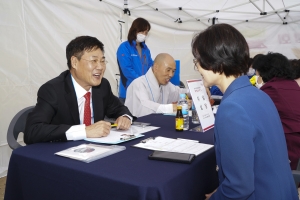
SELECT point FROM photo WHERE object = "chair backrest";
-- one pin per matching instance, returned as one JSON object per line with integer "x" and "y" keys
{"x": 181, "y": 84}
{"x": 296, "y": 174}
{"x": 16, "y": 126}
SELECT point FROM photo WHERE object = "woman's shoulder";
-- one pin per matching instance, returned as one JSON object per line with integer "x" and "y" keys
{"x": 280, "y": 83}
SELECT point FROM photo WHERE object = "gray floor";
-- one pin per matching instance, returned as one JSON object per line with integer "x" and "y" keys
{"x": 2, "y": 187}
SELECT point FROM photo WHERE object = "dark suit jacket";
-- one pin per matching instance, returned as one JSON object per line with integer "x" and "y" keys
{"x": 57, "y": 109}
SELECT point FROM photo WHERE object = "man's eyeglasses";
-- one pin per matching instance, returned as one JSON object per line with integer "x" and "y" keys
{"x": 195, "y": 64}
{"x": 96, "y": 61}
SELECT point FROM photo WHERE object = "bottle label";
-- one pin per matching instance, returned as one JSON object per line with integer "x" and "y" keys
{"x": 179, "y": 124}
{"x": 185, "y": 109}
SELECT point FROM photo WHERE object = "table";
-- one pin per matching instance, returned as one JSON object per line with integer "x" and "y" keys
{"x": 36, "y": 173}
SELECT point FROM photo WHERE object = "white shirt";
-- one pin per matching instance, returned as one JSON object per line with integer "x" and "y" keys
{"x": 77, "y": 132}
{"x": 145, "y": 96}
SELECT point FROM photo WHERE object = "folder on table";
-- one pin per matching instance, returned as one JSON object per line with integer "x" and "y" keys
{"x": 90, "y": 152}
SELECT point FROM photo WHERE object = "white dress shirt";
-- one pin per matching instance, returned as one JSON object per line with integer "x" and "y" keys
{"x": 77, "y": 132}
{"x": 145, "y": 96}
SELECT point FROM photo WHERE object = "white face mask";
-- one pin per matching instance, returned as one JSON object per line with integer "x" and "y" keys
{"x": 140, "y": 37}
{"x": 258, "y": 85}
{"x": 251, "y": 72}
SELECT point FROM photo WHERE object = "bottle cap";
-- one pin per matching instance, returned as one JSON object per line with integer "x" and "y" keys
{"x": 179, "y": 107}
{"x": 182, "y": 96}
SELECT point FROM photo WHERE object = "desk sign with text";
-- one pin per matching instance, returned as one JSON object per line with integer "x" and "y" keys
{"x": 202, "y": 103}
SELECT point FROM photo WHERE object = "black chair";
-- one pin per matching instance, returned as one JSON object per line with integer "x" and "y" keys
{"x": 296, "y": 174}
{"x": 16, "y": 126}
{"x": 181, "y": 84}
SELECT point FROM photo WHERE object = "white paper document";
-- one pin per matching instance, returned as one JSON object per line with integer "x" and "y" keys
{"x": 174, "y": 145}
{"x": 118, "y": 136}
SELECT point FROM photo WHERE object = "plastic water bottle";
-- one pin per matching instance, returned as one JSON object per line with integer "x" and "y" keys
{"x": 195, "y": 118}
{"x": 185, "y": 111}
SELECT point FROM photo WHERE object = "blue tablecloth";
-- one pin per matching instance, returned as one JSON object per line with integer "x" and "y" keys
{"x": 36, "y": 173}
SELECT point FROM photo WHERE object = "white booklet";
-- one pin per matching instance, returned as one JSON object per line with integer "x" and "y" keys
{"x": 174, "y": 145}
{"x": 90, "y": 152}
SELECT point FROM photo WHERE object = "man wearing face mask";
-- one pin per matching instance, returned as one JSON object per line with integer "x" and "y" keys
{"x": 133, "y": 55}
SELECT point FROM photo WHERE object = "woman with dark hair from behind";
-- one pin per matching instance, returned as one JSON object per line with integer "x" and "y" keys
{"x": 280, "y": 85}
{"x": 250, "y": 148}
{"x": 133, "y": 55}
{"x": 295, "y": 64}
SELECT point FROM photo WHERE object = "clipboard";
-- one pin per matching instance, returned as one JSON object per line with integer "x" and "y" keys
{"x": 119, "y": 136}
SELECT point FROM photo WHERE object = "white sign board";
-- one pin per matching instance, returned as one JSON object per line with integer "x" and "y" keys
{"x": 202, "y": 103}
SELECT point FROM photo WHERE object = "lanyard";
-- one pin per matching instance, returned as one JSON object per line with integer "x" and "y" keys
{"x": 152, "y": 93}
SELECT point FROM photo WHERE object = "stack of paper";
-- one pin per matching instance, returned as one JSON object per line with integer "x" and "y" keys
{"x": 174, "y": 145}
{"x": 90, "y": 152}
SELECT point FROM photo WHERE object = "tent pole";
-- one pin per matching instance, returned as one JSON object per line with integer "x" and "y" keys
{"x": 126, "y": 17}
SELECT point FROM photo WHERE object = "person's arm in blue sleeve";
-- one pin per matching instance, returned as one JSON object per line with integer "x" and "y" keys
{"x": 149, "y": 59}
{"x": 126, "y": 63}
{"x": 235, "y": 136}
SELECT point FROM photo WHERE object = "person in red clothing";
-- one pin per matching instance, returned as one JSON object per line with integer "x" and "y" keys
{"x": 283, "y": 89}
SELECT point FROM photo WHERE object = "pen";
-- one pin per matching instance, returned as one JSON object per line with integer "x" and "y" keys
{"x": 113, "y": 125}
{"x": 186, "y": 96}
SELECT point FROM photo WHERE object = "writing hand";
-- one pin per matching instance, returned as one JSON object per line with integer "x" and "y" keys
{"x": 98, "y": 129}
{"x": 123, "y": 122}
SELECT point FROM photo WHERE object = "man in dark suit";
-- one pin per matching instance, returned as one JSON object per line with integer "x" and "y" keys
{"x": 73, "y": 105}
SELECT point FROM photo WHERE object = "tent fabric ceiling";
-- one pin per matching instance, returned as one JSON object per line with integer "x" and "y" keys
{"x": 204, "y": 11}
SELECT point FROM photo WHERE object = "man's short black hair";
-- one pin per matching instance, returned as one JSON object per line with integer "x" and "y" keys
{"x": 223, "y": 49}
{"x": 79, "y": 45}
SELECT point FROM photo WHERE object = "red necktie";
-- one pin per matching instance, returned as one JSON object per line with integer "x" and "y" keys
{"x": 87, "y": 109}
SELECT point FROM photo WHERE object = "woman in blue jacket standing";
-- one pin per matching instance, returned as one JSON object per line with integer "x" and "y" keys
{"x": 133, "y": 55}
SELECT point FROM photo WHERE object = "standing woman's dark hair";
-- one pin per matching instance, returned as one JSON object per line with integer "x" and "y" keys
{"x": 221, "y": 48}
{"x": 138, "y": 25}
{"x": 273, "y": 65}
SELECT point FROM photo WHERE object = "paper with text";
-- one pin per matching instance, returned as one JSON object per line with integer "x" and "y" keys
{"x": 174, "y": 145}
{"x": 202, "y": 103}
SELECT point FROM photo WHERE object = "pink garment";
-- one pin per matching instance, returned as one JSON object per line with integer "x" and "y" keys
{"x": 286, "y": 97}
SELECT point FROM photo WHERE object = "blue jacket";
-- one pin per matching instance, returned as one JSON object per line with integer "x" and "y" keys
{"x": 131, "y": 65}
{"x": 214, "y": 90}
{"x": 250, "y": 147}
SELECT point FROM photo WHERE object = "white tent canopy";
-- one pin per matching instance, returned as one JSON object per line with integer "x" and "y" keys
{"x": 34, "y": 34}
